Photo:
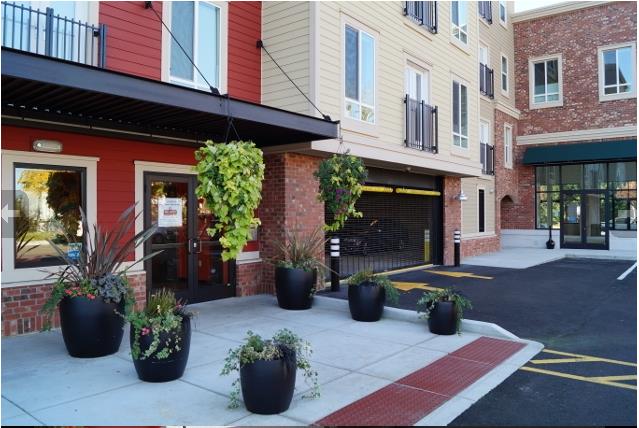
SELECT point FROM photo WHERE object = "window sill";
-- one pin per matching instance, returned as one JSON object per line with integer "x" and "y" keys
{"x": 353, "y": 125}
{"x": 503, "y": 24}
{"x": 464, "y": 47}
{"x": 553, "y": 104}
{"x": 616, "y": 97}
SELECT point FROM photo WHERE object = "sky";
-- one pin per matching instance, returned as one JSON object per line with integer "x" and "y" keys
{"x": 522, "y": 5}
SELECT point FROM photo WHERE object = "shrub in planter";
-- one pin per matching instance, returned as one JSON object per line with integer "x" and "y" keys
{"x": 267, "y": 371}
{"x": 367, "y": 294}
{"x": 160, "y": 338}
{"x": 444, "y": 310}
{"x": 296, "y": 268}
{"x": 92, "y": 288}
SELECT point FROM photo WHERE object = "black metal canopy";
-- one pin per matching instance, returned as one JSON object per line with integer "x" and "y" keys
{"x": 48, "y": 92}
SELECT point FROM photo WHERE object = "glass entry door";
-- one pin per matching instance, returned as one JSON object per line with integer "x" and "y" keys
{"x": 583, "y": 220}
{"x": 190, "y": 263}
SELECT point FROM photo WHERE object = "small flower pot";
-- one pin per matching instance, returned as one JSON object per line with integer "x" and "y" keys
{"x": 153, "y": 369}
{"x": 443, "y": 319}
{"x": 366, "y": 301}
{"x": 294, "y": 288}
{"x": 91, "y": 327}
{"x": 268, "y": 386}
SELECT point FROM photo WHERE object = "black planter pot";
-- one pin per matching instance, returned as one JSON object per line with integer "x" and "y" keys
{"x": 443, "y": 318}
{"x": 268, "y": 386}
{"x": 550, "y": 244}
{"x": 91, "y": 327}
{"x": 152, "y": 369}
{"x": 294, "y": 288}
{"x": 366, "y": 301}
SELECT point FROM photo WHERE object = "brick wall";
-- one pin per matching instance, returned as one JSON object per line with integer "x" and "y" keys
{"x": 248, "y": 278}
{"x": 576, "y": 35}
{"x": 475, "y": 246}
{"x": 21, "y": 305}
{"x": 289, "y": 202}
{"x": 452, "y": 216}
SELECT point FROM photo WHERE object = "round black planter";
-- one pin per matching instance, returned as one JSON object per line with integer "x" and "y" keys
{"x": 152, "y": 369}
{"x": 550, "y": 244}
{"x": 443, "y": 319}
{"x": 366, "y": 301}
{"x": 268, "y": 386}
{"x": 91, "y": 327}
{"x": 294, "y": 288}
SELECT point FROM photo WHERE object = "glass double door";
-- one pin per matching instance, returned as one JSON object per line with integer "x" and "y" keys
{"x": 584, "y": 222}
{"x": 190, "y": 262}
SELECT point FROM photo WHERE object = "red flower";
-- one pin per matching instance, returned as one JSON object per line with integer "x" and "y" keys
{"x": 91, "y": 296}
{"x": 67, "y": 291}
{"x": 145, "y": 331}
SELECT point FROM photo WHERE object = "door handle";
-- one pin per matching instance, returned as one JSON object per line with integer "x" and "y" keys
{"x": 197, "y": 246}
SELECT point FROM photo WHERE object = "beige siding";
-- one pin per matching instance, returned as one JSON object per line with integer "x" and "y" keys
{"x": 286, "y": 35}
{"x": 470, "y": 213}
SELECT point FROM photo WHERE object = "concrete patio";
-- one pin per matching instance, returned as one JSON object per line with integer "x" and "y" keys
{"x": 42, "y": 385}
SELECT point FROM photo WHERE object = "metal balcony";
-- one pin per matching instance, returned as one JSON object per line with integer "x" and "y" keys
{"x": 421, "y": 125}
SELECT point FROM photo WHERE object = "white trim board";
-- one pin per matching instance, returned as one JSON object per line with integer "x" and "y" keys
{"x": 578, "y": 135}
{"x": 554, "y": 10}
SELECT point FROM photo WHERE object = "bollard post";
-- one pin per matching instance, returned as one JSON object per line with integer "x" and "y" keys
{"x": 457, "y": 238}
{"x": 334, "y": 264}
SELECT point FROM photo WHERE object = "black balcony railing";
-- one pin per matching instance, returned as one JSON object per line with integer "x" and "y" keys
{"x": 487, "y": 158}
{"x": 423, "y": 12}
{"x": 45, "y": 33}
{"x": 421, "y": 125}
{"x": 486, "y": 81}
{"x": 486, "y": 11}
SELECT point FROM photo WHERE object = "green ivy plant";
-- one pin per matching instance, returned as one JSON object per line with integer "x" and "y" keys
{"x": 283, "y": 344}
{"x": 230, "y": 181}
{"x": 429, "y": 299}
{"x": 382, "y": 280}
{"x": 340, "y": 185}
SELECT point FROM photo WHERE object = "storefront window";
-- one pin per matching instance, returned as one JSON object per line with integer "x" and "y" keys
{"x": 622, "y": 179}
{"x": 595, "y": 176}
{"x": 48, "y": 201}
{"x": 547, "y": 196}
{"x": 571, "y": 177}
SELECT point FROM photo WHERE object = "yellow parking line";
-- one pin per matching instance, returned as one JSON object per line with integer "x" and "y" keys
{"x": 614, "y": 378}
{"x": 577, "y": 377}
{"x": 563, "y": 360}
{"x": 458, "y": 274}
{"x": 585, "y": 358}
{"x": 407, "y": 286}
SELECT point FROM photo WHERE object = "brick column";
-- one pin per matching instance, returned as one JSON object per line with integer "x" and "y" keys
{"x": 452, "y": 216}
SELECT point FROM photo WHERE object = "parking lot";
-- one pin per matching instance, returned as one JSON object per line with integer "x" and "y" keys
{"x": 580, "y": 311}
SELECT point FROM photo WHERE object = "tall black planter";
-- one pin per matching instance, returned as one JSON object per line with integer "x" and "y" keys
{"x": 443, "y": 318}
{"x": 366, "y": 301}
{"x": 294, "y": 288}
{"x": 268, "y": 386}
{"x": 152, "y": 369}
{"x": 91, "y": 327}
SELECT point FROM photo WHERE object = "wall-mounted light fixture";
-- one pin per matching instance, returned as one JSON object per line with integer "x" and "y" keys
{"x": 47, "y": 146}
{"x": 462, "y": 196}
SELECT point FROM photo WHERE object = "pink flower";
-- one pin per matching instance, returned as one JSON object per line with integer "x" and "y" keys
{"x": 67, "y": 291}
{"x": 145, "y": 331}
{"x": 91, "y": 296}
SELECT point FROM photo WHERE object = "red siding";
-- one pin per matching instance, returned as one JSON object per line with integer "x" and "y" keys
{"x": 244, "y": 58}
{"x": 134, "y": 37}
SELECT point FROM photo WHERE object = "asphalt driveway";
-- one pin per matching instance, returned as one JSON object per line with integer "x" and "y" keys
{"x": 584, "y": 316}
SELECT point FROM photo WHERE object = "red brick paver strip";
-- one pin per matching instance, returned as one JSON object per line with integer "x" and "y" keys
{"x": 409, "y": 399}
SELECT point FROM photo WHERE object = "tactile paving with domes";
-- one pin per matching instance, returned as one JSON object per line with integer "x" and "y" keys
{"x": 411, "y": 398}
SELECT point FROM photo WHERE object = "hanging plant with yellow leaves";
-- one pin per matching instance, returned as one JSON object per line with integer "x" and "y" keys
{"x": 340, "y": 185}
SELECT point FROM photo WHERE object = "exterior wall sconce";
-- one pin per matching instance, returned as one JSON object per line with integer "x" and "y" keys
{"x": 461, "y": 197}
{"x": 47, "y": 146}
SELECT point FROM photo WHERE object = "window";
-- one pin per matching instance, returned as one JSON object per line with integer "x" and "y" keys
{"x": 508, "y": 146}
{"x": 622, "y": 182}
{"x": 481, "y": 210}
{"x": 503, "y": 12}
{"x": 48, "y": 200}
{"x": 423, "y": 13}
{"x": 547, "y": 196}
{"x": 545, "y": 82}
{"x": 504, "y": 75}
{"x": 359, "y": 75}
{"x": 460, "y": 115}
{"x": 197, "y": 28}
{"x": 485, "y": 11}
{"x": 617, "y": 72}
{"x": 459, "y": 20}
{"x": 486, "y": 149}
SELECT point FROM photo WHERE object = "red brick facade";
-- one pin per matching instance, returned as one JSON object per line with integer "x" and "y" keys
{"x": 452, "y": 216}
{"x": 475, "y": 246}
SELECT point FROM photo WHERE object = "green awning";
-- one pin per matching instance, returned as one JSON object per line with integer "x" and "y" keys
{"x": 582, "y": 152}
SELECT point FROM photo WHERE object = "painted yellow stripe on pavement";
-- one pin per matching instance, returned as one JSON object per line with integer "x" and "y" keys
{"x": 577, "y": 377}
{"x": 586, "y": 358}
{"x": 564, "y": 360}
{"x": 406, "y": 286}
{"x": 615, "y": 378}
{"x": 458, "y": 274}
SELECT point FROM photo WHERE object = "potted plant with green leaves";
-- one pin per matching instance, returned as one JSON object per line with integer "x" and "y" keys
{"x": 444, "y": 310}
{"x": 92, "y": 289}
{"x": 297, "y": 263}
{"x": 267, "y": 371}
{"x": 367, "y": 294}
{"x": 160, "y": 337}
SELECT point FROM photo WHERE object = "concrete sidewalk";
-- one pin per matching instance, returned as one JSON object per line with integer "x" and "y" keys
{"x": 523, "y": 258}
{"x": 42, "y": 385}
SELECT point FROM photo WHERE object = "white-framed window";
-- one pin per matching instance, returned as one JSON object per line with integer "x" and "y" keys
{"x": 44, "y": 192}
{"x": 359, "y": 74}
{"x": 508, "y": 146}
{"x": 484, "y": 132}
{"x": 459, "y": 20}
{"x": 545, "y": 86}
{"x": 617, "y": 71}
{"x": 503, "y": 13}
{"x": 504, "y": 75}
{"x": 417, "y": 83}
{"x": 201, "y": 29}
{"x": 460, "y": 115}
{"x": 484, "y": 57}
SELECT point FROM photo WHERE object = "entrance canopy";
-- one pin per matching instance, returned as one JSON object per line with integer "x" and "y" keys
{"x": 45, "y": 92}
{"x": 582, "y": 152}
